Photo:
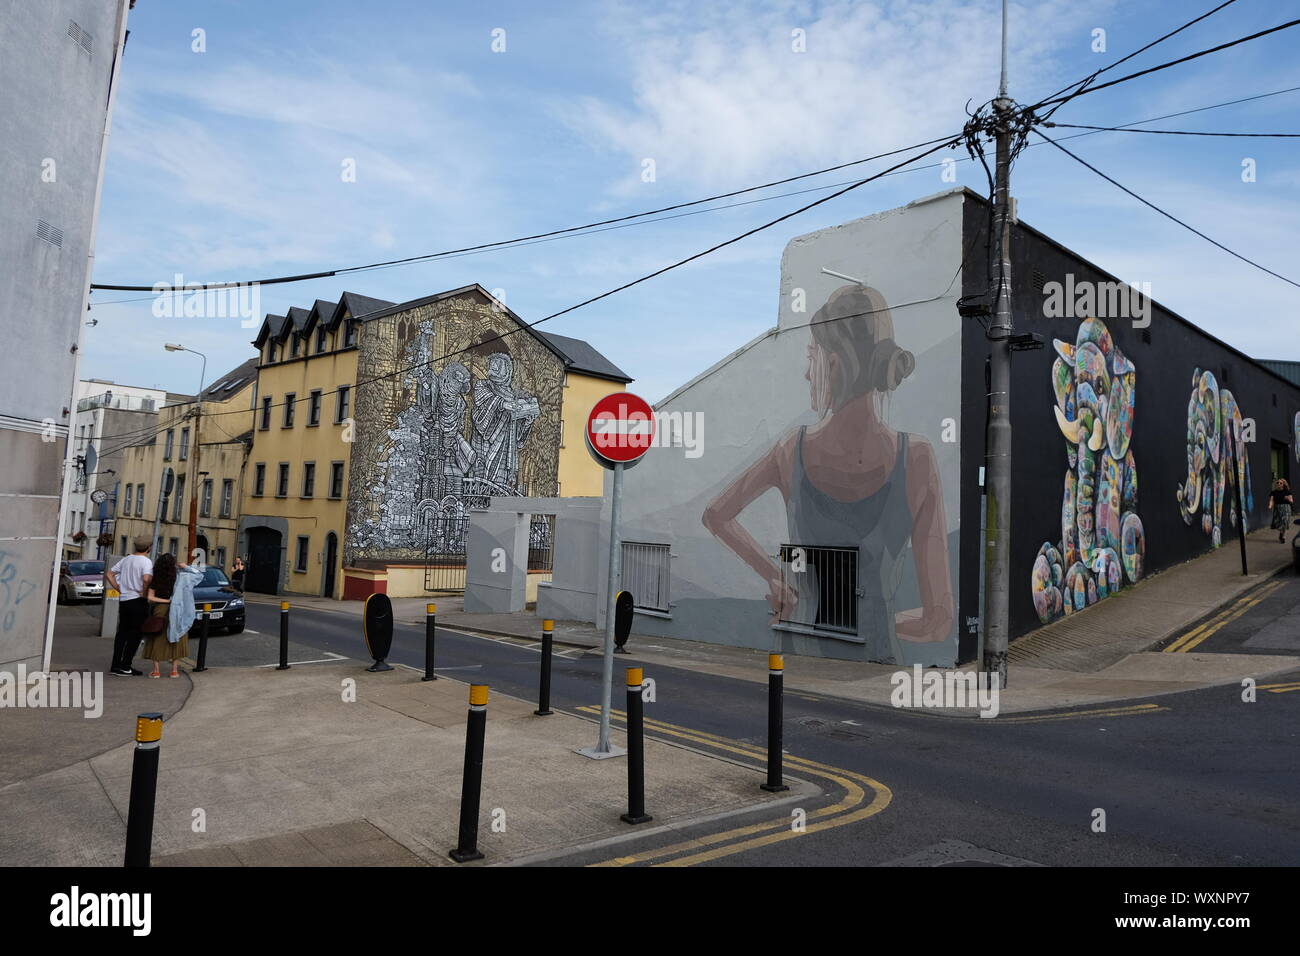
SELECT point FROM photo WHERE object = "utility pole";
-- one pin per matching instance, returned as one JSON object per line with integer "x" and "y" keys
{"x": 997, "y": 468}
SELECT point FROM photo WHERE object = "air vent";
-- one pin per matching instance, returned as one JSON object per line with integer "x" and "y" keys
{"x": 1040, "y": 280}
{"x": 51, "y": 234}
{"x": 81, "y": 37}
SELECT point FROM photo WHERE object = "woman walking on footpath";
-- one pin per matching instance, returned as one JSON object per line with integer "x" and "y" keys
{"x": 1280, "y": 501}
{"x": 171, "y": 598}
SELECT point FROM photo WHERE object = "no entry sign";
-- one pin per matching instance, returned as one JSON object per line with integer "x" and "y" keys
{"x": 620, "y": 428}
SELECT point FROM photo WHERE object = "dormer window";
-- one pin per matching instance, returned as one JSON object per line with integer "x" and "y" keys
{"x": 294, "y": 342}
{"x": 271, "y": 350}
{"x": 349, "y": 333}
{"x": 320, "y": 339}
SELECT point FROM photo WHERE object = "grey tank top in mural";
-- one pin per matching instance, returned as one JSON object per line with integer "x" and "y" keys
{"x": 878, "y": 527}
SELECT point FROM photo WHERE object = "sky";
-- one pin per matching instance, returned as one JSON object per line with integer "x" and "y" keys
{"x": 472, "y": 122}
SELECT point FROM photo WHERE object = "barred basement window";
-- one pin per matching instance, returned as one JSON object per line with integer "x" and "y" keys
{"x": 645, "y": 574}
{"x": 826, "y": 581}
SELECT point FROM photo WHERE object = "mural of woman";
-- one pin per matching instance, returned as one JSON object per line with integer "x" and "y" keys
{"x": 850, "y": 481}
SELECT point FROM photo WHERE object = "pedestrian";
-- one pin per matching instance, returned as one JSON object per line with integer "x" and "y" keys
{"x": 130, "y": 577}
{"x": 171, "y": 603}
{"x": 237, "y": 574}
{"x": 1281, "y": 501}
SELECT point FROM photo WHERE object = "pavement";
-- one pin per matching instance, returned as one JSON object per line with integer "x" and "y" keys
{"x": 1107, "y": 654}
{"x": 326, "y": 764}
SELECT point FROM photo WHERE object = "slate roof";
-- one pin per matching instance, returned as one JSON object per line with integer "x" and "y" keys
{"x": 228, "y": 384}
{"x": 583, "y": 357}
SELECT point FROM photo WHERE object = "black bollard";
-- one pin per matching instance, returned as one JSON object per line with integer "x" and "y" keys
{"x": 202, "y": 663}
{"x": 544, "y": 688}
{"x": 430, "y": 613}
{"x": 775, "y": 720}
{"x": 472, "y": 780}
{"x": 284, "y": 636}
{"x": 144, "y": 788}
{"x": 635, "y": 751}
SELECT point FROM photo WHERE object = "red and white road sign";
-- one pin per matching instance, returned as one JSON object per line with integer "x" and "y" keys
{"x": 621, "y": 427}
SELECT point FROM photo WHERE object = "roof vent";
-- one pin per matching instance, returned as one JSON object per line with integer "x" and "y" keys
{"x": 51, "y": 234}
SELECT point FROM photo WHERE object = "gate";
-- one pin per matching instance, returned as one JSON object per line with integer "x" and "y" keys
{"x": 541, "y": 543}
{"x": 444, "y": 553}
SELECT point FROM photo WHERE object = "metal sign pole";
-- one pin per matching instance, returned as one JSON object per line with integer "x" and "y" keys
{"x": 603, "y": 747}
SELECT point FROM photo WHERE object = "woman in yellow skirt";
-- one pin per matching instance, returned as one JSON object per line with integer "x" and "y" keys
{"x": 158, "y": 647}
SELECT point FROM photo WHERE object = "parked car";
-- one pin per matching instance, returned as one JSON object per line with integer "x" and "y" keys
{"x": 81, "y": 581}
{"x": 227, "y": 603}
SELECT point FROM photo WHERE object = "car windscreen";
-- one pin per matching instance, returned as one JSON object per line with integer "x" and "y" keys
{"x": 85, "y": 567}
{"x": 214, "y": 578}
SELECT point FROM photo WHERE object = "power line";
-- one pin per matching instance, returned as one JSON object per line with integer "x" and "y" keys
{"x": 1167, "y": 215}
{"x": 1172, "y": 132}
{"x": 1165, "y": 66}
{"x": 347, "y": 270}
{"x": 951, "y": 141}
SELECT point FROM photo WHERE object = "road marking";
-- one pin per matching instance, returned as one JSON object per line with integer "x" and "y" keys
{"x": 322, "y": 660}
{"x": 838, "y": 814}
{"x": 249, "y": 630}
{"x": 1280, "y": 688}
{"x": 1131, "y": 711}
{"x": 1195, "y": 636}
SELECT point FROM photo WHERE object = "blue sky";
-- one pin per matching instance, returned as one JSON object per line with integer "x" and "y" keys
{"x": 227, "y": 164}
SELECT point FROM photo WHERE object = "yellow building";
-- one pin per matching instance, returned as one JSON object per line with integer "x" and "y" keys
{"x": 378, "y": 426}
{"x": 205, "y": 444}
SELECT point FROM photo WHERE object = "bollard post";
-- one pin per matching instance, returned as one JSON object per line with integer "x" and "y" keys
{"x": 544, "y": 688}
{"x": 635, "y": 751}
{"x": 284, "y": 636}
{"x": 472, "y": 778}
{"x": 144, "y": 787}
{"x": 202, "y": 662}
{"x": 430, "y": 613}
{"x": 775, "y": 721}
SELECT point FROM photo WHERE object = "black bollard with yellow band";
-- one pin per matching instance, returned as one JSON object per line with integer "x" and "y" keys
{"x": 635, "y": 750}
{"x": 472, "y": 778}
{"x": 775, "y": 722}
{"x": 284, "y": 636}
{"x": 430, "y": 632}
{"x": 202, "y": 663}
{"x": 144, "y": 788}
{"x": 544, "y": 684}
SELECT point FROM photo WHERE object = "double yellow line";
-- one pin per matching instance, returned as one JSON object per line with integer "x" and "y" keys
{"x": 852, "y": 807}
{"x": 1193, "y": 638}
{"x": 1284, "y": 688}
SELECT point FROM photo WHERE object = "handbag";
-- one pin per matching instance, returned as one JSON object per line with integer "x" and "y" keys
{"x": 155, "y": 623}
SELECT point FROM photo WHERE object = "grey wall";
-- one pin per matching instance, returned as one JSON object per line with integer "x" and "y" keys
{"x": 754, "y": 397}
{"x": 54, "y": 97}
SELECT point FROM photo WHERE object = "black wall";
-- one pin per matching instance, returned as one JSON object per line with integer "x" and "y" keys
{"x": 1166, "y": 357}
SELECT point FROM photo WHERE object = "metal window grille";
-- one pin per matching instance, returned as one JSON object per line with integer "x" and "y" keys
{"x": 645, "y": 574}
{"x": 541, "y": 543}
{"x": 826, "y": 578}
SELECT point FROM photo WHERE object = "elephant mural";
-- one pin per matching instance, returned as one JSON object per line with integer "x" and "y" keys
{"x": 1296, "y": 446}
{"x": 1102, "y": 542}
{"x": 1213, "y": 421}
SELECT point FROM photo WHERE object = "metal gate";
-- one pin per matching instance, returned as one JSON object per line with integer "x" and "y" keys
{"x": 444, "y": 553}
{"x": 541, "y": 543}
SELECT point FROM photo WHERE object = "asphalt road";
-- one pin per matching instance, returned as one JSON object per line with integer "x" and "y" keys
{"x": 1198, "y": 778}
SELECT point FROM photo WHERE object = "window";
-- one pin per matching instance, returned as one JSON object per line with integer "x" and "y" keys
{"x": 320, "y": 339}
{"x": 124, "y": 551}
{"x": 139, "y": 500}
{"x": 221, "y": 557}
{"x": 313, "y": 407}
{"x": 282, "y": 483}
{"x": 167, "y": 447}
{"x": 336, "y": 479}
{"x": 300, "y": 559}
{"x": 295, "y": 341}
{"x": 158, "y": 548}
{"x": 308, "y": 479}
{"x": 227, "y": 496}
{"x": 266, "y": 413}
{"x": 349, "y": 333}
{"x": 205, "y": 504}
{"x": 826, "y": 580}
{"x": 271, "y": 350}
{"x": 178, "y": 497}
{"x": 185, "y": 444}
{"x": 259, "y": 479}
{"x": 173, "y": 546}
{"x": 290, "y": 403}
{"x": 130, "y": 490}
{"x": 645, "y": 574}
{"x": 343, "y": 403}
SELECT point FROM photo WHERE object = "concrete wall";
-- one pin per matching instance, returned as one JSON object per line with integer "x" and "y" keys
{"x": 753, "y": 404}
{"x": 54, "y": 96}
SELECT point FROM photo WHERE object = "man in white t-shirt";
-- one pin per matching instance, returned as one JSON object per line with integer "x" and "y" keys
{"x": 130, "y": 577}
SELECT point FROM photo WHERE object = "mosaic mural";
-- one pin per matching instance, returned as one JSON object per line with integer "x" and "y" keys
{"x": 1296, "y": 428}
{"x": 1102, "y": 542}
{"x": 1213, "y": 423}
{"x": 444, "y": 436}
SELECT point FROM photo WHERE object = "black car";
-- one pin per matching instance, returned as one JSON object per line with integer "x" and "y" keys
{"x": 227, "y": 603}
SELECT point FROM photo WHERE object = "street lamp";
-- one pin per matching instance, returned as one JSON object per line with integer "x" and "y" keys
{"x": 198, "y": 415}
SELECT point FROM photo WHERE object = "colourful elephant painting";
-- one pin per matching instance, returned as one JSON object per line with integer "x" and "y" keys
{"x": 1213, "y": 423}
{"x": 1102, "y": 543}
{"x": 1296, "y": 445}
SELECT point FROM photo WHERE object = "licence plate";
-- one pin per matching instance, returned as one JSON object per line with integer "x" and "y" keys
{"x": 213, "y": 615}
